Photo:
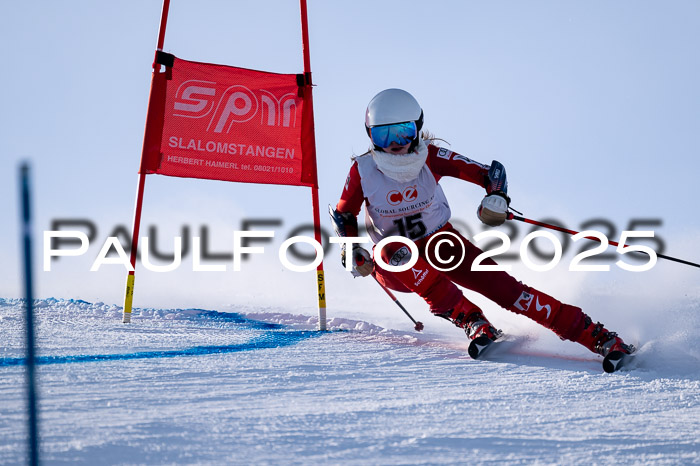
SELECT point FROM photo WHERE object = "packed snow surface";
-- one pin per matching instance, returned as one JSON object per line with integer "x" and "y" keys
{"x": 261, "y": 386}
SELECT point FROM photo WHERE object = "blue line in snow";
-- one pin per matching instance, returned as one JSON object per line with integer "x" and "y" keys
{"x": 277, "y": 339}
{"x": 234, "y": 317}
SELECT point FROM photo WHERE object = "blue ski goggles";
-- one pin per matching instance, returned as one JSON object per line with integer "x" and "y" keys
{"x": 400, "y": 133}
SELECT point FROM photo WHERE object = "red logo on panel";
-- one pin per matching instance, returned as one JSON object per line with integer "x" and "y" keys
{"x": 394, "y": 198}
{"x": 409, "y": 194}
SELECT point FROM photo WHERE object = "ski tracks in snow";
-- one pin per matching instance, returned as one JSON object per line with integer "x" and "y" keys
{"x": 262, "y": 386}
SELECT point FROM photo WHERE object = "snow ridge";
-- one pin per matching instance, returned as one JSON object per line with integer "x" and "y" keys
{"x": 676, "y": 353}
{"x": 267, "y": 388}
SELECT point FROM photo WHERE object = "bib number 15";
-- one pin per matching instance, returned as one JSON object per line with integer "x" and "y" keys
{"x": 411, "y": 227}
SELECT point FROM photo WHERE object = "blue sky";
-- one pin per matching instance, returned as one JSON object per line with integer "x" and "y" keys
{"x": 593, "y": 107}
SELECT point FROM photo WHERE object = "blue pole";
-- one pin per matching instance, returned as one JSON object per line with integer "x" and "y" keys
{"x": 29, "y": 295}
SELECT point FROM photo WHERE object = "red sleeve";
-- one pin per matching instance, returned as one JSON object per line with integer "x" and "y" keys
{"x": 444, "y": 162}
{"x": 352, "y": 197}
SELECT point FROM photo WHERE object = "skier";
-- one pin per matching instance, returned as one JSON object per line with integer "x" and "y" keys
{"x": 398, "y": 181}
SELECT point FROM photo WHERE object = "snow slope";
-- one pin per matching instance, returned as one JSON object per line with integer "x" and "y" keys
{"x": 260, "y": 386}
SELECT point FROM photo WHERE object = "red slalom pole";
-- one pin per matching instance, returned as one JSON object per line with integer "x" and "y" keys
{"x": 512, "y": 216}
{"x": 129, "y": 293}
{"x": 320, "y": 280}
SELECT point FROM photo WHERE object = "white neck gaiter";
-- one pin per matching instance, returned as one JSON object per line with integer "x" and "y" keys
{"x": 401, "y": 168}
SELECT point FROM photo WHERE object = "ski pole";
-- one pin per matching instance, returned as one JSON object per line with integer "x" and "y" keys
{"x": 512, "y": 216}
{"x": 419, "y": 325}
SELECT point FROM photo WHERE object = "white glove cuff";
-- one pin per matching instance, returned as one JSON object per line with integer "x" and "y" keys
{"x": 495, "y": 203}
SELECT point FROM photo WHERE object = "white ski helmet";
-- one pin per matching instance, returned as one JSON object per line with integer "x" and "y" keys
{"x": 392, "y": 106}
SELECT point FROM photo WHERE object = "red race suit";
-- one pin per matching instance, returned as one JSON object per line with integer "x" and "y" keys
{"x": 418, "y": 210}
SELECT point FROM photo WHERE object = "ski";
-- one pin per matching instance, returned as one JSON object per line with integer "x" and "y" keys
{"x": 616, "y": 360}
{"x": 613, "y": 362}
